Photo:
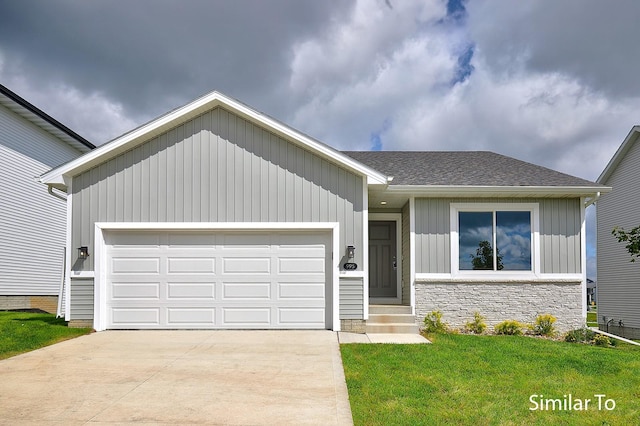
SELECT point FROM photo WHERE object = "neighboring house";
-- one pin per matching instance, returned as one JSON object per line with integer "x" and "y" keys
{"x": 217, "y": 216}
{"x": 618, "y": 278}
{"x": 592, "y": 292}
{"x": 32, "y": 222}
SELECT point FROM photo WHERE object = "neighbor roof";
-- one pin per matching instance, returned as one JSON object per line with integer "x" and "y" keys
{"x": 626, "y": 145}
{"x": 463, "y": 168}
{"x": 41, "y": 119}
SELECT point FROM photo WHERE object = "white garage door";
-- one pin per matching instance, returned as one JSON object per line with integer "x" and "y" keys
{"x": 178, "y": 279}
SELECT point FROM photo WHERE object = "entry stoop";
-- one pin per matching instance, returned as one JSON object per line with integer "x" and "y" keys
{"x": 396, "y": 319}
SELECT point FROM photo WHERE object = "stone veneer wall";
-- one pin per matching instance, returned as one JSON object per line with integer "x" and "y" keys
{"x": 353, "y": 325}
{"x": 501, "y": 301}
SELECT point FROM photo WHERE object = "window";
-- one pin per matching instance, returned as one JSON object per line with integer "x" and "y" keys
{"x": 498, "y": 238}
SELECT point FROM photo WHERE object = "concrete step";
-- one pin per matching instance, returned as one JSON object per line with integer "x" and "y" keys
{"x": 389, "y": 309}
{"x": 402, "y": 328}
{"x": 391, "y": 318}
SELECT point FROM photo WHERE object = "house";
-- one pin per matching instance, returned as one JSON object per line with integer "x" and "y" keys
{"x": 218, "y": 216}
{"x": 618, "y": 277}
{"x": 32, "y": 222}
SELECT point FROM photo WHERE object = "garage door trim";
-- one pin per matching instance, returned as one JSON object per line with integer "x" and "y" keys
{"x": 100, "y": 293}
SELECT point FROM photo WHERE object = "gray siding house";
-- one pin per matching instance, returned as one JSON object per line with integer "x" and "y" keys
{"x": 32, "y": 222}
{"x": 217, "y": 216}
{"x": 618, "y": 278}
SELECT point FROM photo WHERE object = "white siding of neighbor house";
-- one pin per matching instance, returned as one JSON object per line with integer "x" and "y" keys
{"x": 618, "y": 278}
{"x": 32, "y": 222}
{"x": 219, "y": 167}
{"x": 560, "y": 224}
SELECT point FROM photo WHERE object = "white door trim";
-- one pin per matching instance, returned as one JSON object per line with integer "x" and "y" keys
{"x": 100, "y": 296}
{"x": 397, "y": 218}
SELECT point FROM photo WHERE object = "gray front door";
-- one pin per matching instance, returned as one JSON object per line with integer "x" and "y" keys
{"x": 383, "y": 281}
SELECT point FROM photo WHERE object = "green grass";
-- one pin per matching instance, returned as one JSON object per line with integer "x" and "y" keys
{"x": 487, "y": 380}
{"x": 23, "y": 332}
{"x": 592, "y": 319}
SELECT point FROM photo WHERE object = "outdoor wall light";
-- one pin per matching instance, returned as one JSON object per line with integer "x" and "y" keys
{"x": 351, "y": 252}
{"x": 83, "y": 252}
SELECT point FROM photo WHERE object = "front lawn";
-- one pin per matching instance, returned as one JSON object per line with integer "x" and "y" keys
{"x": 479, "y": 380}
{"x": 22, "y": 332}
{"x": 592, "y": 319}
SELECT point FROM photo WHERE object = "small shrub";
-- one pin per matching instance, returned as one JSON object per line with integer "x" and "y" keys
{"x": 543, "y": 325}
{"x": 580, "y": 335}
{"x": 601, "y": 340}
{"x": 477, "y": 326}
{"x": 509, "y": 327}
{"x": 433, "y": 323}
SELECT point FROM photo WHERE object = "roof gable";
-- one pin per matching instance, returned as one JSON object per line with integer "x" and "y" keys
{"x": 38, "y": 117}
{"x": 180, "y": 115}
{"x": 617, "y": 158}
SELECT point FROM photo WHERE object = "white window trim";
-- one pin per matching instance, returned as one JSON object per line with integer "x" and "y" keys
{"x": 534, "y": 273}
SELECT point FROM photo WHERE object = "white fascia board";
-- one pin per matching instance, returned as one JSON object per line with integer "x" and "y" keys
{"x": 189, "y": 111}
{"x": 628, "y": 142}
{"x": 495, "y": 191}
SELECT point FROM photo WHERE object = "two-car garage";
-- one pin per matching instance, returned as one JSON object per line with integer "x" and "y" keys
{"x": 210, "y": 279}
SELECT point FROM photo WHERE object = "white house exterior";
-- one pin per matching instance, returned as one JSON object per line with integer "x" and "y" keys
{"x": 32, "y": 222}
{"x": 618, "y": 278}
{"x": 217, "y": 216}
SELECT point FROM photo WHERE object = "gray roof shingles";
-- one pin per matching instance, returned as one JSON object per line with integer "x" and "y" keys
{"x": 473, "y": 168}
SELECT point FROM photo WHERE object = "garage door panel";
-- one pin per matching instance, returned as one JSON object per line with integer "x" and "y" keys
{"x": 246, "y": 290}
{"x": 128, "y": 317}
{"x": 191, "y": 290}
{"x": 135, "y": 290}
{"x": 191, "y": 316}
{"x": 135, "y": 265}
{"x": 301, "y": 290}
{"x": 217, "y": 280}
{"x": 247, "y": 316}
{"x": 298, "y": 316}
{"x": 246, "y": 265}
{"x": 301, "y": 265}
{"x": 191, "y": 265}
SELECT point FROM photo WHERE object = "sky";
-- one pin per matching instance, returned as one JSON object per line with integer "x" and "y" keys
{"x": 549, "y": 82}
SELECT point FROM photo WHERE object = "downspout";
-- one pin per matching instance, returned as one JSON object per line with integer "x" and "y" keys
{"x": 56, "y": 195}
{"x": 592, "y": 200}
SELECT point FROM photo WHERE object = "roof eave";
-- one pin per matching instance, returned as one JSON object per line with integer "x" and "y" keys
{"x": 34, "y": 114}
{"x": 626, "y": 145}
{"x": 498, "y": 191}
{"x": 191, "y": 110}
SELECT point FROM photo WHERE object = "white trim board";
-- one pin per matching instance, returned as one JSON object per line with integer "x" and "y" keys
{"x": 100, "y": 297}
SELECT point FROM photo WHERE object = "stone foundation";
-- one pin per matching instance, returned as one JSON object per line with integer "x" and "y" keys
{"x": 80, "y": 324}
{"x": 498, "y": 302}
{"x": 353, "y": 325}
{"x": 44, "y": 303}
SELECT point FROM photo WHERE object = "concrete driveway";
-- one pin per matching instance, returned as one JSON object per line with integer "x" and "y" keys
{"x": 179, "y": 377}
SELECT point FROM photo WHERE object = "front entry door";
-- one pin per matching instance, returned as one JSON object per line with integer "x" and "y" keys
{"x": 383, "y": 264}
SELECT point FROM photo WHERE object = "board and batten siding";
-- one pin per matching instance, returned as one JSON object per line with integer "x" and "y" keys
{"x": 218, "y": 167}
{"x": 618, "y": 278}
{"x": 32, "y": 222}
{"x": 560, "y": 225}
